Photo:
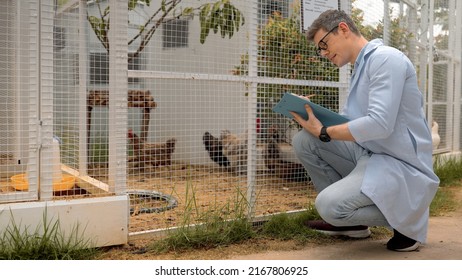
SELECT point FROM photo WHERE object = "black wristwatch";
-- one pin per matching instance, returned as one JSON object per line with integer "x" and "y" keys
{"x": 324, "y": 137}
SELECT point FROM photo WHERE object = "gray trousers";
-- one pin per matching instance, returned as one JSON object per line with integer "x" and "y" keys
{"x": 337, "y": 170}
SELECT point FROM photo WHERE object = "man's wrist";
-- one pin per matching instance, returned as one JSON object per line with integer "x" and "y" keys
{"x": 323, "y": 136}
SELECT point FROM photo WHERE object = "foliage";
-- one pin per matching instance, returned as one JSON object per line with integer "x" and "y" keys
{"x": 215, "y": 233}
{"x": 290, "y": 227}
{"x": 220, "y": 16}
{"x": 441, "y": 19}
{"x": 225, "y": 226}
{"x": 443, "y": 202}
{"x": 284, "y": 52}
{"x": 399, "y": 36}
{"x": 218, "y": 225}
{"x": 47, "y": 242}
{"x": 448, "y": 170}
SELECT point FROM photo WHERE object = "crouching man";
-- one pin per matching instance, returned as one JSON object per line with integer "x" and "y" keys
{"x": 376, "y": 169}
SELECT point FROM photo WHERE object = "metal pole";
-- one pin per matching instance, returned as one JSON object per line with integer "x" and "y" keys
{"x": 118, "y": 88}
{"x": 457, "y": 58}
{"x": 252, "y": 110}
{"x": 84, "y": 137}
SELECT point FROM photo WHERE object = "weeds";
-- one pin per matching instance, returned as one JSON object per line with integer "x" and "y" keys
{"x": 219, "y": 225}
{"x": 448, "y": 170}
{"x": 213, "y": 234}
{"x": 229, "y": 225}
{"x": 287, "y": 227}
{"x": 291, "y": 227}
{"x": 47, "y": 242}
{"x": 443, "y": 202}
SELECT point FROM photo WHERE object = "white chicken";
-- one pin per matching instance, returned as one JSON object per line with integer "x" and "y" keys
{"x": 436, "y": 139}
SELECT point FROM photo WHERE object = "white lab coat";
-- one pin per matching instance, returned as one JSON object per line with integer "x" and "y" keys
{"x": 387, "y": 118}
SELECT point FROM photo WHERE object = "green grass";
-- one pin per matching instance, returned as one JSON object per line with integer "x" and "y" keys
{"x": 46, "y": 242}
{"x": 218, "y": 225}
{"x": 229, "y": 225}
{"x": 291, "y": 227}
{"x": 443, "y": 202}
{"x": 212, "y": 234}
{"x": 449, "y": 170}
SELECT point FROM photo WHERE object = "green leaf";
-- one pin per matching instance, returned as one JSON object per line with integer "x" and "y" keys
{"x": 228, "y": 17}
{"x": 204, "y": 12}
{"x": 106, "y": 11}
{"x": 216, "y": 7}
{"x": 132, "y": 4}
{"x": 94, "y": 20}
{"x": 237, "y": 18}
{"x": 213, "y": 23}
{"x": 214, "y": 18}
{"x": 188, "y": 11}
{"x": 203, "y": 18}
{"x": 220, "y": 16}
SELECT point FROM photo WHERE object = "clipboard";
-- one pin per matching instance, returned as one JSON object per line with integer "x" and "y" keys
{"x": 291, "y": 102}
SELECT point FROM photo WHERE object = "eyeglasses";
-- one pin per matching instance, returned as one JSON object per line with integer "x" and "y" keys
{"x": 322, "y": 46}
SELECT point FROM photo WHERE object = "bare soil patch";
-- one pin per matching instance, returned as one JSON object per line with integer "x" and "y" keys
{"x": 199, "y": 188}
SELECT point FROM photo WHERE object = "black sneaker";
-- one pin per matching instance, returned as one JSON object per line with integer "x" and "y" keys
{"x": 402, "y": 243}
{"x": 350, "y": 231}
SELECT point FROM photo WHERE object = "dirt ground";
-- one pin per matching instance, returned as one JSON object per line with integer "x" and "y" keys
{"x": 444, "y": 243}
{"x": 201, "y": 188}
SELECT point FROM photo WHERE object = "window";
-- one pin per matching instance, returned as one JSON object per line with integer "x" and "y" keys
{"x": 99, "y": 68}
{"x": 59, "y": 38}
{"x": 175, "y": 34}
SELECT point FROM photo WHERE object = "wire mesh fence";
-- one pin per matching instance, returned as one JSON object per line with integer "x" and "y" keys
{"x": 175, "y": 109}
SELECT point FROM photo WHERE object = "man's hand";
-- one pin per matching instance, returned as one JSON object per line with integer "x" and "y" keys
{"x": 312, "y": 125}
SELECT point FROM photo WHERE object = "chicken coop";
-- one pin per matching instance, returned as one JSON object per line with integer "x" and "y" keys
{"x": 163, "y": 114}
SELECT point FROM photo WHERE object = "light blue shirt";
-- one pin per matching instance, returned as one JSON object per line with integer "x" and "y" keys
{"x": 387, "y": 118}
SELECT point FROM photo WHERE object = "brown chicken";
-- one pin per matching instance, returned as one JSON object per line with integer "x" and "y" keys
{"x": 154, "y": 154}
{"x": 291, "y": 171}
{"x": 235, "y": 150}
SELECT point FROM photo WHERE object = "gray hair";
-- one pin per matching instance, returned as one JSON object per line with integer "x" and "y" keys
{"x": 328, "y": 20}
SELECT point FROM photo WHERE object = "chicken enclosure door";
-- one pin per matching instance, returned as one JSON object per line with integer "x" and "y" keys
{"x": 17, "y": 60}
{"x": 9, "y": 148}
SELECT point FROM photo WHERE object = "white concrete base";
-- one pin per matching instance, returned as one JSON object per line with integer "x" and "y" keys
{"x": 103, "y": 221}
